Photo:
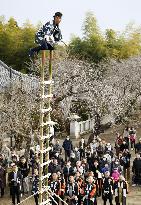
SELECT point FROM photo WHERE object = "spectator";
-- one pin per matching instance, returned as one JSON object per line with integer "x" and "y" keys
{"x": 35, "y": 186}
{"x": 107, "y": 188}
{"x": 24, "y": 169}
{"x": 138, "y": 147}
{"x": 2, "y": 180}
{"x": 15, "y": 178}
{"x": 82, "y": 145}
{"x": 136, "y": 169}
{"x": 57, "y": 147}
{"x": 68, "y": 171}
{"x": 123, "y": 146}
{"x": 132, "y": 136}
{"x": 120, "y": 191}
{"x": 67, "y": 145}
{"x": 54, "y": 167}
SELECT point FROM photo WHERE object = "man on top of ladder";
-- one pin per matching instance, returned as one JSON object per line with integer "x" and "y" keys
{"x": 47, "y": 36}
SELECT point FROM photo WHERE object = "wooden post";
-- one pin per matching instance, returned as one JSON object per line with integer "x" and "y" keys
{"x": 41, "y": 127}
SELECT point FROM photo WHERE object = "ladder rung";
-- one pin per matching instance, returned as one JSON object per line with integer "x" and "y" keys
{"x": 48, "y": 82}
{"x": 46, "y": 110}
{"x": 45, "y": 202}
{"x": 46, "y": 150}
{"x": 45, "y": 137}
{"x": 48, "y": 123}
{"x": 47, "y": 96}
{"x": 46, "y": 176}
{"x": 45, "y": 163}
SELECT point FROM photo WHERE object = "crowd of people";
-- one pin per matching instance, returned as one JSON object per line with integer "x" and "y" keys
{"x": 79, "y": 174}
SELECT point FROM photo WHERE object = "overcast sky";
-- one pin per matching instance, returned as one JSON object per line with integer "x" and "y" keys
{"x": 109, "y": 13}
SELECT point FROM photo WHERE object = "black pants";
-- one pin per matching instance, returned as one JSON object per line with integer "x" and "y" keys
{"x": 15, "y": 191}
{"x": 36, "y": 197}
{"x": 110, "y": 201}
{"x": 44, "y": 46}
{"x": 90, "y": 202}
{"x": 99, "y": 188}
{"x": 82, "y": 154}
{"x": 67, "y": 155}
{"x": 2, "y": 192}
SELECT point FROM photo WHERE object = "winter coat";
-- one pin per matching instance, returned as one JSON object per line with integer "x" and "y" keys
{"x": 57, "y": 148}
{"x": 137, "y": 167}
{"x": 138, "y": 147}
{"x": 16, "y": 183}
{"x": 82, "y": 145}
{"x": 2, "y": 177}
{"x": 35, "y": 184}
{"x": 115, "y": 175}
{"x": 133, "y": 138}
{"x": 49, "y": 29}
{"x": 123, "y": 147}
{"x": 105, "y": 169}
{"x": 53, "y": 168}
{"x": 107, "y": 188}
{"x": 24, "y": 169}
{"x": 67, "y": 145}
{"x": 68, "y": 171}
{"x": 77, "y": 155}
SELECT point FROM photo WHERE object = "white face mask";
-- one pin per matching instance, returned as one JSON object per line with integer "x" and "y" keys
{"x": 68, "y": 138}
{"x": 82, "y": 140}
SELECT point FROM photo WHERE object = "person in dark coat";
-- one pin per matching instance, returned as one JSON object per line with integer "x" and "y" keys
{"x": 68, "y": 171}
{"x": 82, "y": 145}
{"x": 54, "y": 167}
{"x": 67, "y": 145}
{"x": 24, "y": 169}
{"x": 35, "y": 186}
{"x": 15, "y": 178}
{"x": 136, "y": 169}
{"x": 98, "y": 175}
{"x": 2, "y": 179}
{"x": 57, "y": 147}
{"x": 125, "y": 162}
{"x": 107, "y": 188}
{"x": 48, "y": 35}
{"x": 71, "y": 191}
{"x": 123, "y": 146}
{"x": 138, "y": 147}
{"x": 54, "y": 186}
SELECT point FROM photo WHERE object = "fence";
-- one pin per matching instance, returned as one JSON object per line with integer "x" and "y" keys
{"x": 80, "y": 128}
{"x": 8, "y": 75}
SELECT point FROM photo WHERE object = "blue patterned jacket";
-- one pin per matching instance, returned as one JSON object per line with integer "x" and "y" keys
{"x": 49, "y": 29}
